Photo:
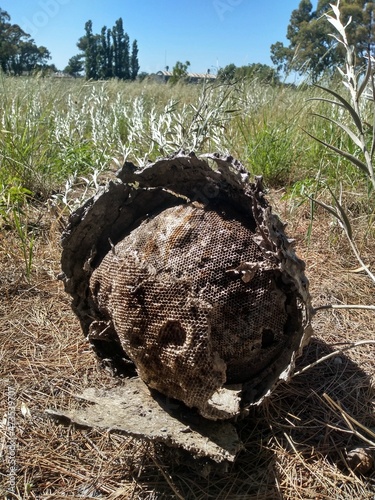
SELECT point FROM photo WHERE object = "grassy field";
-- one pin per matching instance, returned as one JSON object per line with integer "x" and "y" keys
{"x": 61, "y": 139}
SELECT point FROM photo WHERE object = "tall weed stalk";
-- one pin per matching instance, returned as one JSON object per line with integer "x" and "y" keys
{"x": 361, "y": 92}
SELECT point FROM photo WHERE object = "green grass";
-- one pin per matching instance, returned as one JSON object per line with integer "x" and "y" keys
{"x": 53, "y": 130}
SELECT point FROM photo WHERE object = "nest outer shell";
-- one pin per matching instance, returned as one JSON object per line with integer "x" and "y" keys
{"x": 117, "y": 209}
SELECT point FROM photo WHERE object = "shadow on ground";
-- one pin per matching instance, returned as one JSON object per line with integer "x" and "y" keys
{"x": 297, "y": 420}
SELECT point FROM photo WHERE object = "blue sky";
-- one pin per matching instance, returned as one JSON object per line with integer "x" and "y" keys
{"x": 208, "y": 33}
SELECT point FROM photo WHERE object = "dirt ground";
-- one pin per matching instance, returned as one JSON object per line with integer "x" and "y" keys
{"x": 296, "y": 443}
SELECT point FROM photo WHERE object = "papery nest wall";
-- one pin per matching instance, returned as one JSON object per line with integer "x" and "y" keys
{"x": 182, "y": 269}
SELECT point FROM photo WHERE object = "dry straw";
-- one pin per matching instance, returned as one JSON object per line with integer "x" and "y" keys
{"x": 295, "y": 444}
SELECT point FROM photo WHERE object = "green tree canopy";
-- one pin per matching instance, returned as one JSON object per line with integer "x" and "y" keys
{"x": 107, "y": 54}
{"x": 134, "y": 64}
{"x": 179, "y": 71}
{"x": 228, "y": 73}
{"x": 91, "y": 52}
{"x": 18, "y": 51}
{"x": 310, "y": 44}
{"x": 261, "y": 72}
{"x": 75, "y": 66}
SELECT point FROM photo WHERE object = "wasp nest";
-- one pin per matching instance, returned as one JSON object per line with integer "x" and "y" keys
{"x": 182, "y": 269}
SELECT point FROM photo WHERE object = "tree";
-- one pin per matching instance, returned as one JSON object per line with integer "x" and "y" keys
{"x": 6, "y": 48}
{"x": 310, "y": 44}
{"x": 227, "y": 74}
{"x": 120, "y": 51}
{"x": 75, "y": 66}
{"x": 102, "y": 54}
{"x": 261, "y": 72}
{"x": 29, "y": 57}
{"x": 18, "y": 51}
{"x": 125, "y": 60}
{"x": 179, "y": 71}
{"x": 107, "y": 55}
{"x": 142, "y": 75}
{"x": 90, "y": 44}
{"x": 134, "y": 64}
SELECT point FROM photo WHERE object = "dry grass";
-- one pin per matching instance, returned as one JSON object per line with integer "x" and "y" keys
{"x": 295, "y": 443}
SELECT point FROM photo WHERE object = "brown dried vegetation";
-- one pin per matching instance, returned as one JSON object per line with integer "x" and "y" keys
{"x": 296, "y": 443}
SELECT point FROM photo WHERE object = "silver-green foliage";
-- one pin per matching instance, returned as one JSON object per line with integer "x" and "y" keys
{"x": 356, "y": 109}
{"x": 358, "y": 85}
